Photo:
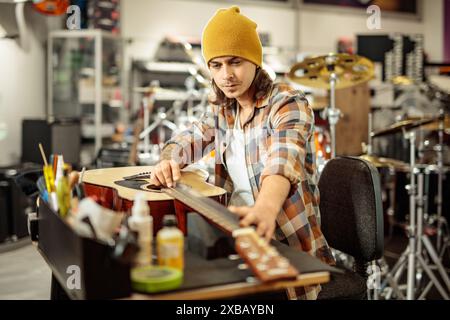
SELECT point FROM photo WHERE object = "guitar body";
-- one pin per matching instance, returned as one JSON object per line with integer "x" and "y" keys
{"x": 113, "y": 192}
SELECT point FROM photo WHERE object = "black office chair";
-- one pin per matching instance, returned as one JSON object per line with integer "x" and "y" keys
{"x": 352, "y": 222}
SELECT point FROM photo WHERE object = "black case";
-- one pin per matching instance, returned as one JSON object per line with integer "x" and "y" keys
{"x": 101, "y": 276}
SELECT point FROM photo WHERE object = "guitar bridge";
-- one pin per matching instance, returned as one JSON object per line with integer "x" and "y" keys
{"x": 142, "y": 175}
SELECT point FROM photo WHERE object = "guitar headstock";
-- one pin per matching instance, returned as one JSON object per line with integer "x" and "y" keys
{"x": 264, "y": 260}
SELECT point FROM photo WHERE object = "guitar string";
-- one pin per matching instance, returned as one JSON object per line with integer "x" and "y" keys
{"x": 209, "y": 208}
{"x": 208, "y": 211}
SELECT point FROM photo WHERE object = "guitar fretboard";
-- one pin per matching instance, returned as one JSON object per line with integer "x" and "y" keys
{"x": 210, "y": 209}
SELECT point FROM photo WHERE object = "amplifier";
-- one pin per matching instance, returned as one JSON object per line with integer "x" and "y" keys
{"x": 59, "y": 137}
{"x": 17, "y": 198}
{"x": 4, "y": 210}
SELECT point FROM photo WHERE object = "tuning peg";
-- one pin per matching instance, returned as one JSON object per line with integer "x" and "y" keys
{"x": 244, "y": 244}
{"x": 250, "y": 279}
{"x": 276, "y": 271}
{"x": 263, "y": 243}
{"x": 272, "y": 252}
{"x": 261, "y": 267}
{"x": 283, "y": 263}
{"x": 243, "y": 266}
{"x": 234, "y": 257}
{"x": 253, "y": 255}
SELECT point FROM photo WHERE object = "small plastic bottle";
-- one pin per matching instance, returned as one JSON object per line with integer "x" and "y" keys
{"x": 63, "y": 194}
{"x": 142, "y": 222}
{"x": 170, "y": 244}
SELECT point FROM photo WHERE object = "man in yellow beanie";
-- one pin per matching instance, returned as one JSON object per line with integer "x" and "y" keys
{"x": 262, "y": 134}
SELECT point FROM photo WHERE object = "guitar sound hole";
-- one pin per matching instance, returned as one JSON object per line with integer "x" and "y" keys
{"x": 151, "y": 187}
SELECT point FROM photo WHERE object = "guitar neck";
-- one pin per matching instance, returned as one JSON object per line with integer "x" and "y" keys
{"x": 264, "y": 260}
{"x": 208, "y": 208}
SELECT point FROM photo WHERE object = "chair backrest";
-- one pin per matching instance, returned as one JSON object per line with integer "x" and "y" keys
{"x": 351, "y": 208}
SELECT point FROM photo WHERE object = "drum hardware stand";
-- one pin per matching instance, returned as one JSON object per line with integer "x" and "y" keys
{"x": 441, "y": 247}
{"x": 148, "y": 102}
{"x": 160, "y": 123}
{"x": 161, "y": 120}
{"x": 146, "y": 105}
{"x": 369, "y": 146}
{"x": 372, "y": 290}
{"x": 413, "y": 254}
{"x": 391, "y": 279}
{"x": 333, "y": 113}
{"x": 191, "y": 93}
{"x": 442, "y": 224}
{"x": 148, "y": 156}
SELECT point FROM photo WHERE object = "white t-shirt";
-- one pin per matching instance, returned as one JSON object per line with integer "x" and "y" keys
{"x": 237, "y": 168}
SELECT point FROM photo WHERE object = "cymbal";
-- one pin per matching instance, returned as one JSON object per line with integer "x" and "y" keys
{"x": 440, "y": 82}
{"x": 349, "y": 69}
{"x": 402, "y": 81}
{"x": 381, "y": 162}
{"x": 403, "y": 125}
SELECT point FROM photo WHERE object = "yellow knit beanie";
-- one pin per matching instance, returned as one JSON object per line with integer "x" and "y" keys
{"x": 229, "y": 33}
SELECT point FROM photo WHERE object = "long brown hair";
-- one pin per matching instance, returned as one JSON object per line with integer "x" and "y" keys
{"x": 262, "y": 84}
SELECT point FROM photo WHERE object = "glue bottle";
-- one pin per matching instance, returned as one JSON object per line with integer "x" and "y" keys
{"x": 170, "y": 244}
{"x": 142, "y": 222}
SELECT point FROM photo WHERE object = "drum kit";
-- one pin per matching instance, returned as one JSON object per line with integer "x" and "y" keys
{"x": 183, "y": 112}
{"x": 336, "y": 71}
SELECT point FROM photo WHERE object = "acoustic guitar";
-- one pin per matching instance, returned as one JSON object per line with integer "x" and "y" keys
{"x": 116, "y": 188}
{"x": 192, "y": 193}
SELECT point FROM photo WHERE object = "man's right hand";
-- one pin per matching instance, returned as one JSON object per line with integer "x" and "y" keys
{"x": 165, "y": 173}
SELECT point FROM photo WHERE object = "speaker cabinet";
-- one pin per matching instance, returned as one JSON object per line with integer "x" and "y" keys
{"x": 58, "y": 137}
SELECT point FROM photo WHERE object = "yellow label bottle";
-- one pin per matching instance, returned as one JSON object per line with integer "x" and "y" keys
{"x": 170, "y": 244}
{"x": 63, "y": 194}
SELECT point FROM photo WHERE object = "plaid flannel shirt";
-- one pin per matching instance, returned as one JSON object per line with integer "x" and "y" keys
{"x": 279, "y": 141}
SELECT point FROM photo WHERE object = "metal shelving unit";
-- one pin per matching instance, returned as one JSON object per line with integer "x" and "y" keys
{"x": 85, "y": 80}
